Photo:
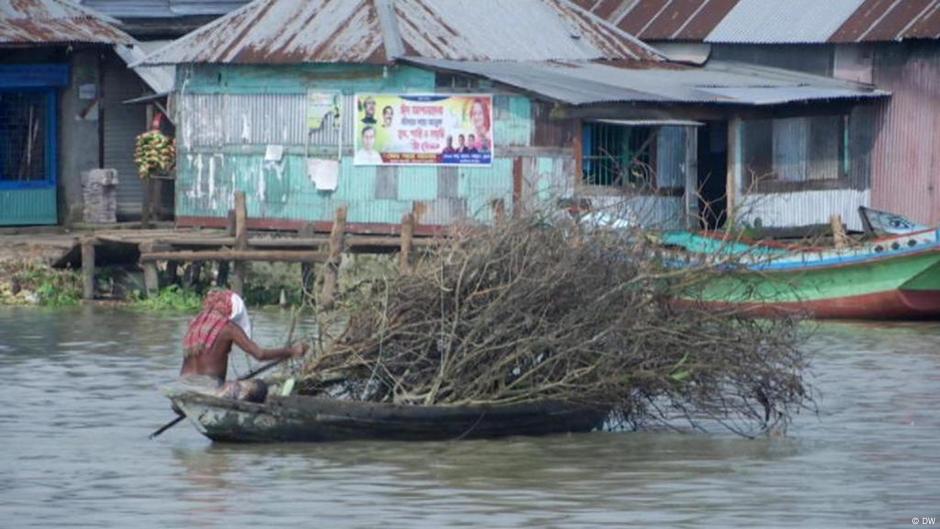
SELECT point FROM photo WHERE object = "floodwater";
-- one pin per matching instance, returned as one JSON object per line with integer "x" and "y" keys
{"x": 79, "y": 397}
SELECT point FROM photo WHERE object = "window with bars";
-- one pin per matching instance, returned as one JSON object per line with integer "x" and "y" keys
{"x": 24, "y": 127}
{"x": 618, "y": 155}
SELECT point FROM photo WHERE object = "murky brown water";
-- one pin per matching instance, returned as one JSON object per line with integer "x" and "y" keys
{"x": 79, "y": 397}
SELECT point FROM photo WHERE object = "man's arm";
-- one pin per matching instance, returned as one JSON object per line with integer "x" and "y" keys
{"x": 245, "y": 343}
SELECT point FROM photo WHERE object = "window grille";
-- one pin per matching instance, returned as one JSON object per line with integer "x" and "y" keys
{"x": 23, "y": 130}
{"x": 618, "y": 155}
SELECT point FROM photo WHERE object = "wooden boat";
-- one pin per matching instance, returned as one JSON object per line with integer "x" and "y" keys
{"x": 317, "y": 419}
{"x": 895, "y": 277}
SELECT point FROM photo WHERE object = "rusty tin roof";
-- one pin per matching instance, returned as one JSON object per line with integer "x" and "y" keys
{"x": 885, "y": 20}
{"x": 772, "y": 21}
{"x": 378, "y": 31}
{"x": 56, "y": 22}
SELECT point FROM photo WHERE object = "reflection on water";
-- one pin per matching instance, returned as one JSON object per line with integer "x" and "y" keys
{"x": 80, "y": 398}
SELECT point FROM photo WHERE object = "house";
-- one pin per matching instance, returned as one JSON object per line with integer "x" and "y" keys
{"x": 57, "y": 64}
{"x": 307, "y": 106}
{"x": 893, "y": 44}
{"x": 153, "y": 24}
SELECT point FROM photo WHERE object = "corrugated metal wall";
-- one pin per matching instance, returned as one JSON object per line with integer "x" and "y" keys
{"x": 806, "y": 208}
{"x": 122, "y": 124}
{"x": 670, "y": 157}
{"x": 224, "y": 130}
{"x": 27, "y": 206}
{"x": 906, "y": 161}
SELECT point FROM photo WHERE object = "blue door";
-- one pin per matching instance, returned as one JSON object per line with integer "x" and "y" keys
{"x": 28, "y": 134}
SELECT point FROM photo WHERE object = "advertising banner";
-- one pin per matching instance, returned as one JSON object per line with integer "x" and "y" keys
{"x": 320, "y": 106}
{"x": 424, "y": 129}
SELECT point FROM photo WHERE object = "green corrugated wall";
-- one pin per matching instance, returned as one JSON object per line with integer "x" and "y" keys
{"x": 209, "y": 174}
{"x": 19, "y": 207}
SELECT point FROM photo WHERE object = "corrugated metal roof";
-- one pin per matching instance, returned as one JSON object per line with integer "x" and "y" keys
{"x": 160, "y": 79}
{"x": 677, "y": 19}
{"x": 690, "y": 20}
{"x": 585, "y": 83}
{"x": 376, "y": 31}
{"x": 55, "y": 22}
{"x": 790, "y": 22}
{"x": 885, "y": 20}
{"x": 163, "y": 8}
{"x": 772, "y": 21}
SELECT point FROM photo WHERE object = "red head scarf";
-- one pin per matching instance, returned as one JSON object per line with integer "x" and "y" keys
{"x": 206, "y": 326}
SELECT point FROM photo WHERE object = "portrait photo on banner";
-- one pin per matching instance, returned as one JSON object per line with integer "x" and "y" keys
{"x": 424, "y": 129}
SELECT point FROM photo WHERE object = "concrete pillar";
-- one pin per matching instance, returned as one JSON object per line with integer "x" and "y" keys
{"x": 78, "y": 131}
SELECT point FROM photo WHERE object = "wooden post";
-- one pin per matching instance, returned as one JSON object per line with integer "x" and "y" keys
{"x": 193, "y": 274}
{"x": 172, "y": 272}
{"x": 146, "y": 207}
{"x": 307, "y": 274}
{"x": 241, "y": 240}
{"x": 407, "y": 239}
{"x": 499, "y": 209}
{"x": 156, "y": 199}
{"x": 331, "y": 270}
{"x": 230, "y": 223}
{"x": 88, "y": 268}
{"x": 839, "y": 238}
{"x": 735, "y": 176}
{"x": 221, "y": 279}
{"x": 151, "y": 279}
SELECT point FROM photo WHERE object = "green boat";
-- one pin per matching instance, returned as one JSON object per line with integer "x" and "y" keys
{"x": 895, "y": 277}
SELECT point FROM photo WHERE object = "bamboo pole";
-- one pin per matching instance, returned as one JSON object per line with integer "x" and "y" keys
{"x": 407, "y": 239}
{"x": 88, "y": 268}
{"x": 331, "y": 270}
{"x": 241, "y": 240}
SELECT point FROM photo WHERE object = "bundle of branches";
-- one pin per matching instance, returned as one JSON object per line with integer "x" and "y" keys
{"x": 532, "y": 308}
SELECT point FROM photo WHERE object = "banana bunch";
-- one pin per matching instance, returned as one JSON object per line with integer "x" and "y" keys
{"x": 155, "y": 153}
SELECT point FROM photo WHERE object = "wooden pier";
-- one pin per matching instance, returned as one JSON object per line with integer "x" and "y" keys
{"x": 229, "y": 249}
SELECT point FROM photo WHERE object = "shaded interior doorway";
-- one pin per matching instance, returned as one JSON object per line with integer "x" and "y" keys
{"x": 712, "y": 174}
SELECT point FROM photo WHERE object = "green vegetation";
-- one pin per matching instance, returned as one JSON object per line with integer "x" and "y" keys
{"x": 26, "y": 283}
{"x": 171, "y": 298}
{"x": 265, "y": 281}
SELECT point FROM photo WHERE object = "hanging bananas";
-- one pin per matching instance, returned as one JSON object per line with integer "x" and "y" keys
{"x": 154, "y": 154}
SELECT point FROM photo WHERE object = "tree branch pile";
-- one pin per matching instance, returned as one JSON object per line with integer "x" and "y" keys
{"x": 529, "y": 309}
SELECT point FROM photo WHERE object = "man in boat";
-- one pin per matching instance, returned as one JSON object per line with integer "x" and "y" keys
{"x": 222, "y": 323}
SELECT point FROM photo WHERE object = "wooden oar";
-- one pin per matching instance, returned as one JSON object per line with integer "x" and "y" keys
{"x": 252, "y": 374}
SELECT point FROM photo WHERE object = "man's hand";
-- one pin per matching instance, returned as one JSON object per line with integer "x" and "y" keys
{"x": 299, "y": 350}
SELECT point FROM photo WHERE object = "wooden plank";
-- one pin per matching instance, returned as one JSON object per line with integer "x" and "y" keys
{"x": 240, "y": 256}
{"x": 291, "y": 242}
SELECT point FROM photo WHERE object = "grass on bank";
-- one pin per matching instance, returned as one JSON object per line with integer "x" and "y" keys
{"x": 29, "y": 283}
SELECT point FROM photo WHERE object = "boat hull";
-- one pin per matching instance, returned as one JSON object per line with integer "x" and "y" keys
{"x": 890, "y": 305}
{"x": 313, "y": 419}
{"x": 898, "y": 284}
